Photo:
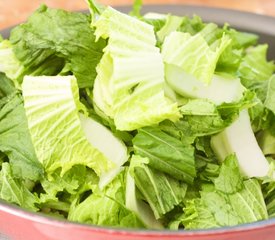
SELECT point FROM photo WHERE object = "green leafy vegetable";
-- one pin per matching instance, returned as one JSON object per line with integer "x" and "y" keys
{"x": 270, "y": 95}
{"x": 229, "y": 202}
{"x": 154, "y": 184}
{"x": 106, "y": 207}
{"x": 6, "y": 86}
{"x": 129, "y": 86}
{"x": 230, "y": 179}
{"x": 193, "y": 54}
{"x": 250, "y": 157}
{"x": 15, "y": 139}
{"x": 52, "y": 106}
{"x": 9, "y": 64}
{"x": 50, "y": 38}
{"x": 138, "y": 206}
{"x": 137, "y": 121}
{"x": 166, "y": 153}
{"x": 13, "y": 190}
{"x": 254, "y": 66}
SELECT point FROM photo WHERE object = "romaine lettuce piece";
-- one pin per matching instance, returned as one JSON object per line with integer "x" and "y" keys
{"x": 14, "y": 190}
{"x": 53, "y": 37}
{"x": 193, "y": 54}
{"x": 269, "y": 102}
{"x": 152, "y": 184}
{"x": 60, "y": 141}
{"x": 239, "y": 138}
{"x": 165, "y": 153}
{"x": 138, "y": 206}
{"x": 230, "y": 201}
{"x": 75, "y": 181}
{"x": 216, "y": 209}
{"x": 9, "y": 64}
{"x": 231, "y": 57}
{"x": 59, "y": 192}
{"x": 15, "y": 139}
{"x": 106, "y": 207}
{"x": 104, "y": 140}
{"x": 203, "y": 118}
{"x": 172, "y": 23}
{"x": 221, "y": 89}
{"x": 254, "y": 66}
{"x": 130, "y": 81}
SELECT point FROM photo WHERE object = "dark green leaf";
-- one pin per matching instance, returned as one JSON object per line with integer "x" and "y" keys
{"x": 161, "y": 191}
{"x": 52, "y": 37}
{"x": 13, "y": 190}
{"x": 229, "y": 180}
{"x": 106, "y": 207}
{"x": 6, "y": 86}
{"x": 15, "y": 139}
{"x": 166, "y": 153}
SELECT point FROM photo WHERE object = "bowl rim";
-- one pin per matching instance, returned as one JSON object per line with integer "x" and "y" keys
{"x": 41, "y": 218}
{"x": 237, "y": 18}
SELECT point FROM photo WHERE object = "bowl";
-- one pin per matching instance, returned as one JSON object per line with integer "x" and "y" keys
{"x": 18, "y": 224}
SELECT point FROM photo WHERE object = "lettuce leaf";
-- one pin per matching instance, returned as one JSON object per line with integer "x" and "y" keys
{"x": 255, "y": 67}
{"x": 230, "y": 179}
{"x": 6, "y": 86}
{"x": 230, "y": 201}
{"x": 269, "y": 102}
{"x": 9, "y": 64}
{"x": 137, "y": 205}
{"x": 52, "y": 105}
{"x": 152, "y": 184}
{"x": 58, "y": 193}
{"x": 15, "y": 139}
{"x": 268, "y": 188}
{"x": 129, "y": 85}
{"x": 50, "y": 38}
{"x": 193, "y": 54}
{"x": 14, "y": 191}
{"x": 106, "y": 207}
{"x": 166, "y": 153}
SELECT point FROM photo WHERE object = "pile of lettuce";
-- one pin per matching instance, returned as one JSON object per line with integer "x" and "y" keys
{"x": 139, "y": 121}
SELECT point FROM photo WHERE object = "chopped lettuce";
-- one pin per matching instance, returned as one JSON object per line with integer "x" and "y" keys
{"x": 172, "y": 23}
{"x": 106, "y": 207}
{"x": 9, "y": 64}
{"x": 166, "y": 153}
{"x": 6, "y": 87}
{"x": 269, "y": 102}
{"x": 50, "y": 38}
{"x": 230, "y": 201}
{"x": 129, "y": 85}
{"x": 250, "y": 157}
{"x": 138, "y": 121}
{"x": 138, "y": 206}
{"x": 254, "y": 66}
{"x": 193, "y": 54}
{"x": 14, "y": 190}
{"x": 221, "y": 89}
{"x": 52, "y": 107}
{"x": 152, "y": 184}
{"x": 15, "y": 139}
